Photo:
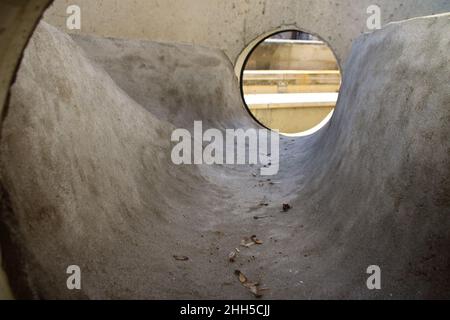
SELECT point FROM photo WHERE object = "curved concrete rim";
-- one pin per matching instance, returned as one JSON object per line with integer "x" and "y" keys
{"x": 241, "y": 63}
{"x": 31, "y": 13}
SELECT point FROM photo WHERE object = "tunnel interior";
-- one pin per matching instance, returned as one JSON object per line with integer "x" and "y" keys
{"x": 88, "y": 177}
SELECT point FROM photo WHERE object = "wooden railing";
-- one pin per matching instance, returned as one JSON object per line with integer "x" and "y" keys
{"x": 291, "y": 81}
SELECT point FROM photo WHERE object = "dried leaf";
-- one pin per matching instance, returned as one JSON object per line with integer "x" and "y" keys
{"x": 255, "y": 291}
{"x": 253, "y": 287}
{"x": 181, "y": 258}
{"x": 250, "y": 284}
{"x": 256, "y": 240}
{"x": 246, "y": 242}
{"x": 241, "y": 276}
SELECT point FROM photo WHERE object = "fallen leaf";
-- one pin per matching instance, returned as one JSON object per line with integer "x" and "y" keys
{"x": 181, "y": 258}
{"x": 256, "y": 240}
{"x": 253, "y": 287}
{"x": 250, "y": 284}
{"x": 247, "y": 243}
{"x": 255, "y": 291}
{"x": 241, "y": 276}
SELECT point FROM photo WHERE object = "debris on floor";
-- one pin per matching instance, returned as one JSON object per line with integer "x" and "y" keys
{"x": 286, "y": 207}
{"x": 256, "y": 240}
{"x": 253, "y": 287}
{"x": 261, "y": 217}
{"x": 181, "y": 258}
{"x": 245, "y": 243}
{"x": 248, "y": 242}
{"x": 232, "y": 256}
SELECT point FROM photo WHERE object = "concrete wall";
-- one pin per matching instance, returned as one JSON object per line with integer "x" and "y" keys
{"x": 232, "y": 25}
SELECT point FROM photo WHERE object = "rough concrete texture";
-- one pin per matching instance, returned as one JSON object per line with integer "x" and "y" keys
{"x": 232, "y": 25}
{"x": 87, "y": 177}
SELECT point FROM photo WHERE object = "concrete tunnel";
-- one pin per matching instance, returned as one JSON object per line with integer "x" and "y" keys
{"x": 87, "y": 177}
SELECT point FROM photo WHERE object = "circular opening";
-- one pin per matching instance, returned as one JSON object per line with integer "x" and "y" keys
{"x": 290, "y": 82}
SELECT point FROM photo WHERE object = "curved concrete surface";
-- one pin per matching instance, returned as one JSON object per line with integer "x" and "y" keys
{"x": 87, "y": 177}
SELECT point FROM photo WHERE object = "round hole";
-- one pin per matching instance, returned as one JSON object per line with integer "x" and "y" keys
{"x": 290, "y": 82}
